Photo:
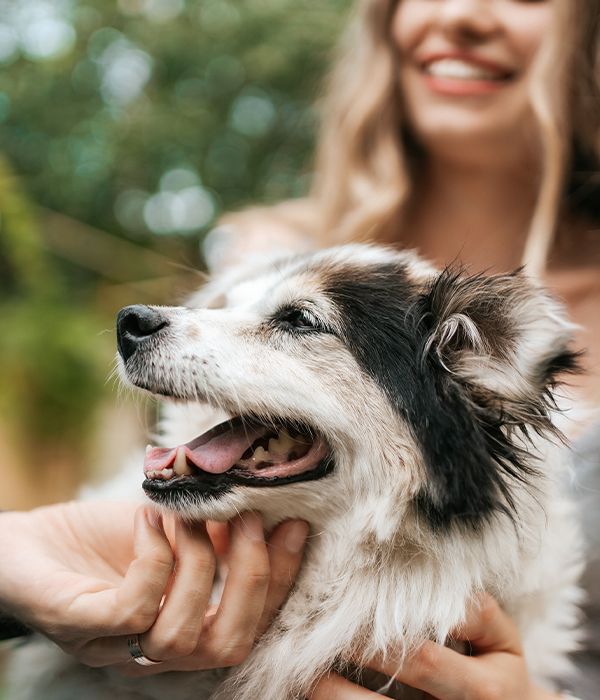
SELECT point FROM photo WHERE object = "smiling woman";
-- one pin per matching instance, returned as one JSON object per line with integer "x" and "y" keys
{"x": 469, "y": 130}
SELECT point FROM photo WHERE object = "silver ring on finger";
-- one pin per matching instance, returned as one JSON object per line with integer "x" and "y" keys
{"x": 135, "y": 650}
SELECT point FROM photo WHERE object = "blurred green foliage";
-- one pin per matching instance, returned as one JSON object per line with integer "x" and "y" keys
{"x": 52, "y": 362}
{"x": 52, "y": 370}
{"x": 145, "y": 119}
{"x": 219, "y": 91}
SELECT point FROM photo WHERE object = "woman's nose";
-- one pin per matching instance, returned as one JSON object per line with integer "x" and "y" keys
{"x": 468, "y": 20}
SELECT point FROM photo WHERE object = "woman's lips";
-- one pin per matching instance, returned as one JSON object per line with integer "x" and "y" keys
{"x": 461, "y": 87}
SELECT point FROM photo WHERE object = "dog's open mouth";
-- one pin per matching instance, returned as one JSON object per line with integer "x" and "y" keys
{"x": 238, "y": 451}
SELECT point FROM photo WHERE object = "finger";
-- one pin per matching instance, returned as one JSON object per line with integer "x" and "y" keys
{"x": 176, "y": 632}
{"x": 334, "y": 687}
{"x": 219, "y": 536}
{"x": 285, "y": 547}
{"x": 488, "y": 628}
{"x": 232, "y": 630}
{"x": 229, "y": 634}
{"x": 132, "y": 606}
{"x": 434, "y": 669}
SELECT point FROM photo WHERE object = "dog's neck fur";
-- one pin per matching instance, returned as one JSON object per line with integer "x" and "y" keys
{"x": 358, "y": 596}
{"x": 372, "y": 579}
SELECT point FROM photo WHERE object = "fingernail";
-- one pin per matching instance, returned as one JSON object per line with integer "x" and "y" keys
{"x": 296, "y": 535}
{"x": 252, "y": 527}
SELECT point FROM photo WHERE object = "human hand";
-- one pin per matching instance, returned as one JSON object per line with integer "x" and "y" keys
{"x": 495, "y": 671}
{"x": 91, "y": 574}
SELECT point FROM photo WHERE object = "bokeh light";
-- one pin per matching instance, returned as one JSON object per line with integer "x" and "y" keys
{"x": 40, "y": 29}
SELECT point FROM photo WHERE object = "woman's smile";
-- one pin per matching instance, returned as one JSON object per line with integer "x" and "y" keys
{"x": 462, "y": 73}
{"x": 465, "y": 68}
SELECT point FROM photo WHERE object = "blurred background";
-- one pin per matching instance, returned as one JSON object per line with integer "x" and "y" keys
{"x": 126, "y": 128}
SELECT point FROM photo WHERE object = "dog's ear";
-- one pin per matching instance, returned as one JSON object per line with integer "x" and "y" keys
{"x": 502, "y": 333}
{"x": 491, "y": 350}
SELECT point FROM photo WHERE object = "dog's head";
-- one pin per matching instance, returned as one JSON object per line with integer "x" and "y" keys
{"x": 354, "y": 376}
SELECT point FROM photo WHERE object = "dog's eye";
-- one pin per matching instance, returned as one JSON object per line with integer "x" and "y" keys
{"x": 302, "y": 320}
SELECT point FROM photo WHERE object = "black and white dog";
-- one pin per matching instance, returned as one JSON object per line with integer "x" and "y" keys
{"x": 406, "y": 414}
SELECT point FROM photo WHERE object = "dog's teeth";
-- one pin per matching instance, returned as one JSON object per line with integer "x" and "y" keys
{"x": 260, "y": 455}
{"x": 148, "y": 448}
{"x": 180, "y": 465}
{"x": 282, "y": 444}
{"x": 274, "y": 446}
{"x": 166, "y": 473}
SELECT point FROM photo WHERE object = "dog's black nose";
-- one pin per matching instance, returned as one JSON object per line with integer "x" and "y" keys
{"x": 134, "y": 325}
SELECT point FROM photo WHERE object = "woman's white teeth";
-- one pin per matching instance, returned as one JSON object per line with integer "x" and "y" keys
{"x": 455, "y": 68}
{"x": 180, "y": 465}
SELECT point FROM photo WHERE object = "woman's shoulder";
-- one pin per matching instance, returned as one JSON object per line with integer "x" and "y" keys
{"x": 287, "y": 226}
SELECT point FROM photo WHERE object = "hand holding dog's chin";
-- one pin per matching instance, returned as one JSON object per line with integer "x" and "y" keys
{"x": 91, "y": 574}
{"x": 497, "y": 669}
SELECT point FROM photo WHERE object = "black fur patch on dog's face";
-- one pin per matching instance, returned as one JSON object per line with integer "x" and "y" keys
{"x": 470, "y": 463}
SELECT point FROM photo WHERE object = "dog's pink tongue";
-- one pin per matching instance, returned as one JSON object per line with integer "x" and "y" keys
{"x": 220, "y": 452}
{"x": 216, "y": 451}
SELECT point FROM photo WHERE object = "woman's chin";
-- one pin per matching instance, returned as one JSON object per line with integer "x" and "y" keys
{"x": 463, "y": 135}
{"x": 468, "y": 124}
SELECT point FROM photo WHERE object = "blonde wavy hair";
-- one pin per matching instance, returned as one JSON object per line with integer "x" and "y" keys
{"x": 365, "y": 165}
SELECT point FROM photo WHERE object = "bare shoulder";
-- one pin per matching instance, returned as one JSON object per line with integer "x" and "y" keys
{"x": 287, "y": 226}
